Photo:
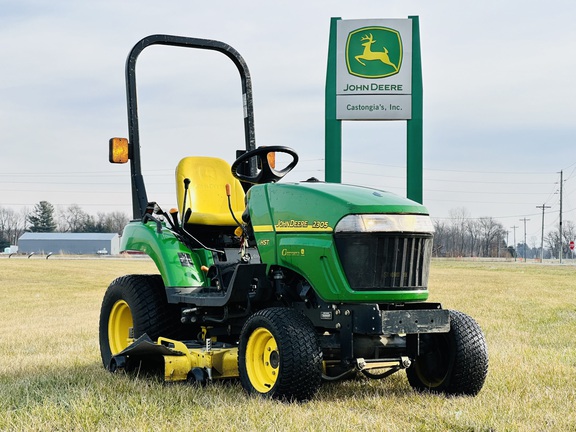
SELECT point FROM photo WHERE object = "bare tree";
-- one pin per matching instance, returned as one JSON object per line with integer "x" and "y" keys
{"x": 73, "y": 219}
{"x": 116, "y": 221}
{"x": 12, "y": 225}
{"x": 491, "y": 232}
{"x": 441, "y": 232}
{"x": 459, "y": 217}
{"x": 568, "y": 234}
{"x": 552, "y": 241}
{"x": 473, "y": 230}
{"x": 569, "y": 231}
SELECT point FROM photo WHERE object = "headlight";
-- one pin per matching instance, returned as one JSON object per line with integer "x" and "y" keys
{"x": 385, "y": 223}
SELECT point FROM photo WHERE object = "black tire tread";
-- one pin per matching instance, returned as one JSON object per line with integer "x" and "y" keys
{"x": 468, "y": 358}
{"x": 151, "y": 313}
{"x": 300, "y": 373}
{"x": 471, "y": 364}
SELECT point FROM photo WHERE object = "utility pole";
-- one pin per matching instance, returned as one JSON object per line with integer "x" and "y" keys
{"x": 524, "y": 220}
{"x": 542, "y": 239}
{"x": 561, "y": 241}
{"x": 514, "y": 228}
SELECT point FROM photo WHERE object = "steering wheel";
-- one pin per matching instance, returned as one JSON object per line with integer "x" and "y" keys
{"x": 266, "y": 174}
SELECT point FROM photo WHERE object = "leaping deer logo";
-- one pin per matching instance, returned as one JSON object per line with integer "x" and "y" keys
{"x": 368, "y": 54}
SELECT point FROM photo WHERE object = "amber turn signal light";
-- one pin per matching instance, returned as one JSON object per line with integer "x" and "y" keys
{"x": 118, "y": 150}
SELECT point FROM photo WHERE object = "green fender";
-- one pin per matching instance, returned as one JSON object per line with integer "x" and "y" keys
{"x": 178, "y": 265}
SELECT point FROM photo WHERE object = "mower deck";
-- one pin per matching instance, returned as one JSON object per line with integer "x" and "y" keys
{"x": 183, "y": 360}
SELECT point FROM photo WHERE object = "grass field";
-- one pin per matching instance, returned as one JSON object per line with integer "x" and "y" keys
{"x": 51, "y": 376}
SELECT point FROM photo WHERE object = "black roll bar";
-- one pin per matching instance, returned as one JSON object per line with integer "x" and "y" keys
{"x": 139, "y": 197}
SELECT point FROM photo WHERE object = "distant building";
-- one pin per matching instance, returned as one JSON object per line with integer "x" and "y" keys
{"x": 70, "y": 243}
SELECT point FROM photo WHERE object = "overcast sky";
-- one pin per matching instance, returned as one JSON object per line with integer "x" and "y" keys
{"x": 499, "y": 100}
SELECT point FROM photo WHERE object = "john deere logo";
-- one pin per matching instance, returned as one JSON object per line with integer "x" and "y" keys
{"x": 374, "y": 52}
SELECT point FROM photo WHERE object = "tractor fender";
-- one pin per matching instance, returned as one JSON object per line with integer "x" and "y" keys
{"x": 178, "y": 265}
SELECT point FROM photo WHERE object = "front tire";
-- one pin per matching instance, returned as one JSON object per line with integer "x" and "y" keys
{"x": 279, "y": 355}
{"x": 453, "y": 363}
{"x": 134, "y": 305}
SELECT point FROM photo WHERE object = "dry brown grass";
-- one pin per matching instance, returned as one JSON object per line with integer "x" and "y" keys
{"x": 51, "y": 376}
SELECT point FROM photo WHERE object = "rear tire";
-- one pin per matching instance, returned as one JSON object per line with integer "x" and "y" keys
{"x": 453, "y": 363}
{"x": 134, "y": 305}
{"x": 279, "y": 355}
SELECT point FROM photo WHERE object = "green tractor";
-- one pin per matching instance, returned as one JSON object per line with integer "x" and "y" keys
{"x": 283, "y": 285}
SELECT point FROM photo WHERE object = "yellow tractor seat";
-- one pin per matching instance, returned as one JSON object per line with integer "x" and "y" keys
{"x": 206, "y": 194}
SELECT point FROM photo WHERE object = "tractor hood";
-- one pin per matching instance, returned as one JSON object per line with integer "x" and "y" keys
{"x": 318, "y": 206}
{"x": 338, "y": 237}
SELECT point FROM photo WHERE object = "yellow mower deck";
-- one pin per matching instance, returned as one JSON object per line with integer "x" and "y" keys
{"x": 194, "y": 362}
{"x": 182, "y": 358}
{"x": 218, "y": 362}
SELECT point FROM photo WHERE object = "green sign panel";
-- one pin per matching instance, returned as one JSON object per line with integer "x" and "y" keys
{"x": 374, "y": 52}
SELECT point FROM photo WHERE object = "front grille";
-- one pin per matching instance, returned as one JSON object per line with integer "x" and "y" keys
{"x": 385, "y": 261}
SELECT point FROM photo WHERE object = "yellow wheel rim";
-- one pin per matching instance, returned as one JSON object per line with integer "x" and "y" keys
{"x": 119, "y": 327}
{"x": 262, "y": 360}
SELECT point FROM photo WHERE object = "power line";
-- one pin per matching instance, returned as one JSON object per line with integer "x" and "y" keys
{"x": 458, "y": 171}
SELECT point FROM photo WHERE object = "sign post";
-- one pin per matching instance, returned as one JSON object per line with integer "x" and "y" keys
{"x": 374, "y": 73}
{"x": 332, "y": 126}
{"x": 414, "y": 126}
